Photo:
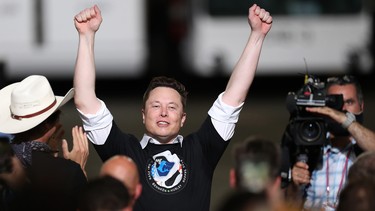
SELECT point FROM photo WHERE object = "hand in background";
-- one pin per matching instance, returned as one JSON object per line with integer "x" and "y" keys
{"x": 80, "y": 150}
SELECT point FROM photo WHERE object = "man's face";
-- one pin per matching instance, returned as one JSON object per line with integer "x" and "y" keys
{"x": 349, "y": 92}
{"x": 163, "y": 114}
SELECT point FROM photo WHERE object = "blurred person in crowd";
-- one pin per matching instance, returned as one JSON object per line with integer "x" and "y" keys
{"x": 13, "y": 178}
{"x": 347, "y": 138}
{"x": 257, "y": 170}
{"x": 359, "y": 191}
{"x": 30, "y": 113}
{"x": 125, "y": 170}
{"x": 242, "y": 200}
{"x": 357, "y": 195}
{"x": 363, "y": 167}
{"x": 177, "y": 171}
{"x": 104, "y": 194}
{"x": 257, "y": 167}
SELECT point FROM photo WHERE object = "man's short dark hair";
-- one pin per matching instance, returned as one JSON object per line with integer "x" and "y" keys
{"x": 345, "y": 80}
{"x": 162, "y": 81}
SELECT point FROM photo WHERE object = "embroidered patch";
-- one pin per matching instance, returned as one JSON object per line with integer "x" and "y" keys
{"x": 166, "y": 173}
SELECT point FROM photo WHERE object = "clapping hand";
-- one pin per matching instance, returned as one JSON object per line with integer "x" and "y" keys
{"x": 80, "y": 150}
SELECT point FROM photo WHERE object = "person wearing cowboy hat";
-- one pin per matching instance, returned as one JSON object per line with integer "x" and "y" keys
{"x": 29, "y": 111}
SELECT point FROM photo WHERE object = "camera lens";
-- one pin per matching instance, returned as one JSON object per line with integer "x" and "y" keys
{"x": 310, "y": 131}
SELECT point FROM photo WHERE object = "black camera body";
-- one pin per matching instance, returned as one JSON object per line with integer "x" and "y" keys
{"x": 309, "y": 129}
{"x": 306, "y": 132}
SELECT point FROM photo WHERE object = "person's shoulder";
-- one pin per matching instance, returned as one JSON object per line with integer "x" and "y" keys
{"x": 116, "y": 133}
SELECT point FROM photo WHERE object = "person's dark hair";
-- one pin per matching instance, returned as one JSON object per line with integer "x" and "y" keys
{"x": 345, "y": 80}
{"x": 363, "y": 167}
{"x": 244, "y": 201}
{"x": 162, "y": 81}
{"x": 257, "y": 157}
{"x": 104, "y": 193}
{"x": 37, "y": 130}
{"x": 358, "y": 196}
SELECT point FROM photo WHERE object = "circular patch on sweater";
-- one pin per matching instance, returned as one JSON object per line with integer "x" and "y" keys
{"x": 166, "y": 173}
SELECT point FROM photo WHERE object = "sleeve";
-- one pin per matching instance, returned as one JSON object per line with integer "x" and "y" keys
{"x": 224, "y": 117}
{"x": 98, "y": 125}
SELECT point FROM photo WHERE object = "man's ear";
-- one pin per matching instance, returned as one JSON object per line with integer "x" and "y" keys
{"x": 183, "y": 119}
{"x": 143, "y": 116}
{"x": 138, "y": 191}
{"x": 232, "y": 178}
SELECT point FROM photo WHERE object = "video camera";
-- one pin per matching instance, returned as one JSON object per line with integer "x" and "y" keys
{"x": 309, "y": 129}
{"x": 306, "y": 132}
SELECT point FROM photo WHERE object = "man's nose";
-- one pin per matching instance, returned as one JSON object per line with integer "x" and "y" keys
{"x": 164, "y": 112}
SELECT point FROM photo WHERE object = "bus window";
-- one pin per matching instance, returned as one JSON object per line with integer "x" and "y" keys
{"x": 327, "y": 34}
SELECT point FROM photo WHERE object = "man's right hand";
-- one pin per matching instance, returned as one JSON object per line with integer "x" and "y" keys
{"x": 300, "y": 173}
{"x": 88, "y": 20}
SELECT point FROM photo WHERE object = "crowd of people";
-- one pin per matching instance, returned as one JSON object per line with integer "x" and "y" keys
{"x": 165, "y": 170}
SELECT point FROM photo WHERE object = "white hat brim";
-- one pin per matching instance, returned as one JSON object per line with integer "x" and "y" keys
{"x": 10, "y": 125}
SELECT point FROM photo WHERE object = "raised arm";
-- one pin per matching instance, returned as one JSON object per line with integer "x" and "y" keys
{"x": 260, "y": 22}
{"x": 87, "y": 22}
{"x": 362, "y": 135}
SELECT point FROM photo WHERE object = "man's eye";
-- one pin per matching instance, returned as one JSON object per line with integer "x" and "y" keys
{"x": 349, "y": 102}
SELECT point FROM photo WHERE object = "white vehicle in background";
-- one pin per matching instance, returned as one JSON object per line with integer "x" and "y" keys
{"x": 39, "y": 37}
{"x": 327, "y": 34}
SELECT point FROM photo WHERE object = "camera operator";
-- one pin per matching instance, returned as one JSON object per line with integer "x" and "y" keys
{"x": 347, "y": 137}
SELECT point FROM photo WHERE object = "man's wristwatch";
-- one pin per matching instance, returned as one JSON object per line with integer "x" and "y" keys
{"x": 350, "y": 118}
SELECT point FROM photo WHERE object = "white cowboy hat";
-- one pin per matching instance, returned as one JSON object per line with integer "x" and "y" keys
{"x": 25, "y": 104}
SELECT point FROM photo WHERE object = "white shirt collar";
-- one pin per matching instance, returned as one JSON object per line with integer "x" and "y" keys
{"x": 147, "y": 139}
